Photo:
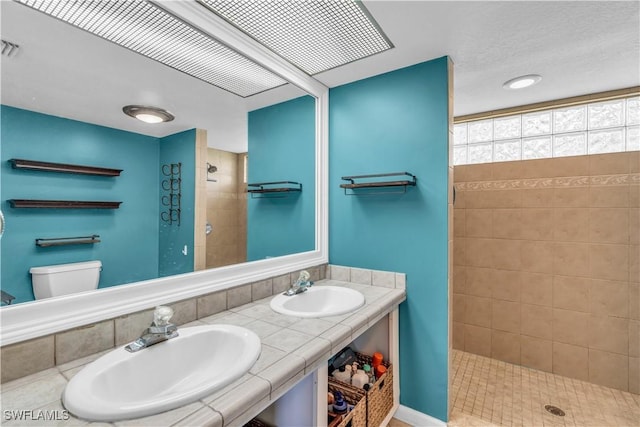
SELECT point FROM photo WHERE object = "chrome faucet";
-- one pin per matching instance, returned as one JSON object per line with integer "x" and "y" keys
{"x": 160, "y": 330}
{"x": 302, "y": 284}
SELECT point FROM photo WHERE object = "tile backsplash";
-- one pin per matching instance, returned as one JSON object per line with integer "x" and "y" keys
{"x": 546, "y": 265}
{"x": 28, "y": 357}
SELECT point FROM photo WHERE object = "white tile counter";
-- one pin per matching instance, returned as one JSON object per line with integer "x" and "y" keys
{"x": 291, "y": 349}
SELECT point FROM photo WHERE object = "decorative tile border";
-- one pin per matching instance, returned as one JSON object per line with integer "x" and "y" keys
{"x": 559, "y": 182}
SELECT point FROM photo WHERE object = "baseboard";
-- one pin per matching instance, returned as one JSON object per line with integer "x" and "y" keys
{"x": 415, "y": 418}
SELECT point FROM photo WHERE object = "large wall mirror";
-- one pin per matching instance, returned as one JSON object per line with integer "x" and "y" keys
{"x": 180, "y": 231}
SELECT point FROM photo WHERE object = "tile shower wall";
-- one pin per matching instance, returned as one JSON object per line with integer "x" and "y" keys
{"x": 226, "y": 209}
{"x": 546, "y": 265}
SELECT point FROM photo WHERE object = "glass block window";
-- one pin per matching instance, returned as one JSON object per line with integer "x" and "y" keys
{"x": 595, "y": 128}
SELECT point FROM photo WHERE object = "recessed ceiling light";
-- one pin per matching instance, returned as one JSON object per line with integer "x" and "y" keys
{"x": 522, "y": 81}
{"x": 148, "y": 114}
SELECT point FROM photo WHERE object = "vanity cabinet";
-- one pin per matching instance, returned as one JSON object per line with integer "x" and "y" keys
{"x": 305, "y": 404}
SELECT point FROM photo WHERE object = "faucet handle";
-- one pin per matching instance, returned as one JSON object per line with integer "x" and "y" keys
{"x": 304, "y": 276}
{"x": 161, "y": 315}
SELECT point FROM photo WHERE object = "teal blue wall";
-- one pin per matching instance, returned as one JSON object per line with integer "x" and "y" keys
{"x": 178, "y": 148}
{"x": 282, "y": 148}
{"x": 129, "y": 247}
{"x": 388, "y": 123}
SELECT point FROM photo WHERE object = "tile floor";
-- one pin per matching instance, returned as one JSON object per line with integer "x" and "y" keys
{"x": 487, "y": 392}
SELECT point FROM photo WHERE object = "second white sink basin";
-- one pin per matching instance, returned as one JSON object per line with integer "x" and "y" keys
{"x": 122, "y": 385}
{"x": 319, "y": 301}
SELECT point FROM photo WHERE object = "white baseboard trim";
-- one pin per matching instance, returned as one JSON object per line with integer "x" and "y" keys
{"x": 417, "y": 419}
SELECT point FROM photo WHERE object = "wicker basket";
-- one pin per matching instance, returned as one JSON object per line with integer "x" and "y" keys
{"x": 256, "y": 423}
{"x": 357, "y": 417}
{"x": 380, "y": 396}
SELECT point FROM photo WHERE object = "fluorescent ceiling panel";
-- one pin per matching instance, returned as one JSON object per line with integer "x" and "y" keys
{"x": 150, "y": 31}
{"x": 314, "y": 35}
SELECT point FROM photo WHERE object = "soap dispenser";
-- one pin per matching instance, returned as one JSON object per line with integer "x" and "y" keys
{"x": 360, "y": 378}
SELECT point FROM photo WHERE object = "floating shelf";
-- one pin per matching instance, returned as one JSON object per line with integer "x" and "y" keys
{"x": 273, "y": 189}
{"x": 64, "y": 241}
{"x": 353, "y": 185}
{"x": 63, "y": 168}
{"x": 62, "y": 204}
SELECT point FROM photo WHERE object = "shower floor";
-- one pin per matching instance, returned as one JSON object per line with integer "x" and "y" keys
{"x": 487, "y": 392}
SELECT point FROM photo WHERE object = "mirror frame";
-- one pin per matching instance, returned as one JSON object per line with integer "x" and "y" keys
{"x": 27, "y": 321}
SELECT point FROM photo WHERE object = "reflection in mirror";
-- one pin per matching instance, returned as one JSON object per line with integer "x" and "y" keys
{"x": 63, "y": 91}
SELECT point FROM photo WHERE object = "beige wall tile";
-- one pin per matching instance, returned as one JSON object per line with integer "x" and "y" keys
{"x": 478, "y": 199}
{"x": 571, "y": 259}
{"x": 571, "y": 293}
{"x": 634, "y": 301}
{"x": 261, "y": 289}
{"x": 478, "y": 222}
{"x": 459, "y": 227}
{"x": 184, "y": 311}
{"x": 568, "y": 166}
{"x": 458, "y": 336}
{"x": 128, "y": 328}
{"x": 537, "y": 321}
{"x": 609, "y": 225}
{"x": 634, "y": 161}
{"x": 238, "y": 296}
{"x": 458, "y": 308}
{"x": 537, "y": 257}
{"x": 506, "y": 285}
{"x": 537, "y": 198}
{"x": 459, "y": 174}
{"x": 506, "y": 254}
{"x": 477, "y": 340}
{"x": 609, "y": 298}
{"x": 282, "y": 283}
{"x": 537, "y": 288}
{"x": 634, "y": 375}
{"x": 479, "y": 252}
{"x": 609, "y": 261}
{"x": 569, "y": 327}
{"x": 461, "y": 199}
{"x": 459, "y": 251}
{"x": 609, "y": 196}
{"x": 634, "y": 226}
{"x": 77, "y": 343}
{"x": 505, "y": 316}
{"x": 480, "y": 281}
{"x": 507, "y": 170}
{"x": 537, "y": 224}
{"x": 571, "y": 225}
{"x": 572, "y": 197}
{"x": 505, "y": 198}
{"x": 608, "y": 164}
{"x": 536, "y": 353}
{"x": 210, "y": 304}
{"x": 478, "y": 311}
{"x": 479, "y": 172}
{"x": 634, "y": 338}
{"x": 505, "y": 346}
{"x": 571, "y": 361}
{"x": 460, "y": 279}
{"x": 26, "y": 358}
{"x": 508, "y": 223}
{"x": 634, "y": 196}
{"x": 634, "y": 263}
{"x": 609, "y": 369}
{"x": 609, "y": 334}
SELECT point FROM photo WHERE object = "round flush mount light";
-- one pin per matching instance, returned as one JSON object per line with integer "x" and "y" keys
{"x": 522, "y": 81}
{"x": 148, "y": 114}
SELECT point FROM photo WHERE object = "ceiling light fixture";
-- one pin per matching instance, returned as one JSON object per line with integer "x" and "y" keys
{"x": 148, "y": 114}
{"x": 522, "y": 81}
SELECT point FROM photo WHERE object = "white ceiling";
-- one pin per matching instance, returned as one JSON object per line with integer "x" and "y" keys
{"x": 578, "y": 48}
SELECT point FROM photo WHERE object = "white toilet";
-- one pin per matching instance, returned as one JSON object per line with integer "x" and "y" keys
{"x": 62, "y": 279}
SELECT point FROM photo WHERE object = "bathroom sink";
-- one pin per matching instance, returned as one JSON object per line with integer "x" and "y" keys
{"x": 319, "y": 301}
{"x": 122, "y": 385}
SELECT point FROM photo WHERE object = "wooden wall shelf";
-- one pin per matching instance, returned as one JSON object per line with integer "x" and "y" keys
{"x": 62, "y": 204}
{"x": 63, "y": 168}
{"x": 404, "y": 183}
{"x": 277, "y": 188}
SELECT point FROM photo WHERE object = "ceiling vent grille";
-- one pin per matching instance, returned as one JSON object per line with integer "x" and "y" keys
{"x": 9, "y": 49}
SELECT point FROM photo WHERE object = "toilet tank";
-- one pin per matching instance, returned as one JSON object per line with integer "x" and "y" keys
{"x": 63, "y": 279}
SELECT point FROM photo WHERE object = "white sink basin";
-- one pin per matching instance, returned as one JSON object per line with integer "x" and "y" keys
{"x": 122, "y": 385}
{"x": 319, "y": 301}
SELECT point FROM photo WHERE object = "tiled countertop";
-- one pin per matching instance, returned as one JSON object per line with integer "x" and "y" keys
{"x": 291, "y": 349}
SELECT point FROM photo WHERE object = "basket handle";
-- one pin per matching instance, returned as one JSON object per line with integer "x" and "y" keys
{"x": 381, "y": 385}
